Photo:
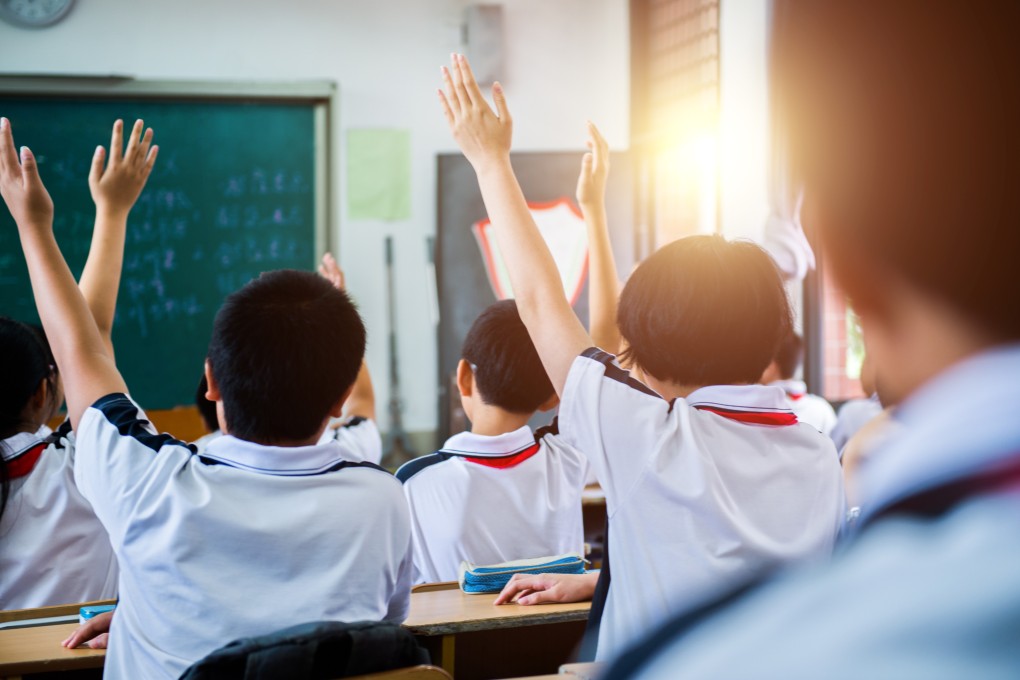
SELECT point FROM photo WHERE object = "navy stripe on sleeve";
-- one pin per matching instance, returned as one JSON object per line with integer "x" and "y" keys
{"x": 614, "y": 372}
{"x": 413, "y": 467}
{"x": 125, "y": 415}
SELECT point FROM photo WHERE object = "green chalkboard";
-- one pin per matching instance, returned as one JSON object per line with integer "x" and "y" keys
{"x": 233, "y": 194}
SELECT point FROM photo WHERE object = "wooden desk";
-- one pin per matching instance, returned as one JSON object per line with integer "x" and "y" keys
{"x": 38, "y": 650}
{"x": 484, "y": 640}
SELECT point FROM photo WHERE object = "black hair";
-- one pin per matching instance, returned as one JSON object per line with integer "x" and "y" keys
{"x": 704, "y": 311}
{"x": 508, "y": 371}
{"x": 789, "y": 356}
{"x": 284, "y": 350}
{"x": 910, "y": 148}
{"x": 206, "y": 408}
{"x": 25, "y": 362}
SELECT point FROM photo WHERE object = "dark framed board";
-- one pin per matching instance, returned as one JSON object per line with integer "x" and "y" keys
{"x": 463, "y": 285}
{"x": 240, "y": 187}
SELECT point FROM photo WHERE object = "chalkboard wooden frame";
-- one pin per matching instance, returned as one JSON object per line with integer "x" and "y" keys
{"x": 319, "y": 96}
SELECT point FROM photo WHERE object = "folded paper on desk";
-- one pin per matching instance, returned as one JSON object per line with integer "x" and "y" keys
{"x": 491, "y": 578}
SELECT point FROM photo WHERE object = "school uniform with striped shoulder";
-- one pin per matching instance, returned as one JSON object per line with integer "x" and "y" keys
{"x": 490, "y": 499}
{"x": 701, "y": 492}
{"x": 809, "y": 408}
{"x": 53, "y": 549}
{"x": 239, "y": 541}
{"x": 359, "y": 439}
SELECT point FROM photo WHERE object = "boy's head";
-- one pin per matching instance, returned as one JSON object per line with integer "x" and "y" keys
{"x": 284, "y": 354}
{"x": 704, "y": 311}
{"x": 788, "y": 359}
{"x": 910, "y": 170}
{"x": 507, "y": 372}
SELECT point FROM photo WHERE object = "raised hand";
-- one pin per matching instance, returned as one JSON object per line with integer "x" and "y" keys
{"x": 116, "y": 188}
{"x": 591, "y": 184}
{"x": 330, "y": 270}
{"x": 482, "y": 134}
{"x": 20, "y": 185}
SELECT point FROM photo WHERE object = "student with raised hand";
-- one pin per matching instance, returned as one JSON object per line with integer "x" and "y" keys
{"x": 356, "y": 429}
{"x": 708, "y": 476}
{"x": 53, "y": 549}
{"x": 810, "y": 408}
{"x": 244, "y": 539}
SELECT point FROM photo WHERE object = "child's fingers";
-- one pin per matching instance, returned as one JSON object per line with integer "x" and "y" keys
{"x": 100, "y": 641}
{"x": 468, "y": 76}
{"x": 456, "y": 105}
{"x": 96, "y": 171}
{"x": 586, "y": 163}
{"x": 8, "y": 156}
{"x": 500, "y": 99}
{"x": 133, "y": 140}
{"x": 446, "y": 107}
{"x": 150, "y": 160}
{"x": 458, "y": 85}
{"x": 117, "y": 141}
{"x": 142, "y": 154}
{"x": 29, "y": 168}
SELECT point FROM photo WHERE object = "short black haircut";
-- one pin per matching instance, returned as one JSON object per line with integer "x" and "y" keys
{"x": 704, "y": 311}
{"x": 206, "y": 408}
{"x": 901, "y": 121}
{"x": 790, "y": 355}
{"x": 284, "y": 350}
{"x": 508, "y": 371}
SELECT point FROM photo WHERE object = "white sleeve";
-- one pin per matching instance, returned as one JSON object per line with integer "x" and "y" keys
{"x": 617, "y": 422}
{"x": 119, "y": 458}
{"x": 361, "y": 437}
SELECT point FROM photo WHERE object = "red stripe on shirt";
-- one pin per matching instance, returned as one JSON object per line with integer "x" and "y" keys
{"x": 793, "y": 396}
{"x": 25, "y": 463}
{"x": 753, "y": 417}
{"x": 504, "y": 462}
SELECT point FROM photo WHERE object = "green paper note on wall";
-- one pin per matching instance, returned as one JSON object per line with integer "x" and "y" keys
{"x": 379, "y": 174}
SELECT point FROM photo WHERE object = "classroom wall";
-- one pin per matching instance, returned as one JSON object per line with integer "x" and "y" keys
{"x": 565, "y": 61}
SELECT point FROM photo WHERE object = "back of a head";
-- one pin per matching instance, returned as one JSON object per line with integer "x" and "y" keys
{"x": 902, "y": 121}
{"x": 284, "y": 350}
{"x": 704, "y": 311}
{"x": 789, "y": 356}
{"x": 24, "y": 363}
{"x": 508, "y": 371}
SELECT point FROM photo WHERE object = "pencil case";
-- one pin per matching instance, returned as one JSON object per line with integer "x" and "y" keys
{"x": 492, "y": 578}
{"x": 86, "y": 613}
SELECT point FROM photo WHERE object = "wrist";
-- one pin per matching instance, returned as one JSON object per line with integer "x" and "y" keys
{"x": 494, "y": 165}
{"x": 111, "y": 213}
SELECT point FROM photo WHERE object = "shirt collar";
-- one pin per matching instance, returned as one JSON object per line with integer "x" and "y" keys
{"x": 485, "y": 446}
{"x": 768, "y": 398}
{"x": 275, "y": 460}
{"x": 17, "y": 444}
{"x": 961, "y": 421}
{"x": 791, "y": 387}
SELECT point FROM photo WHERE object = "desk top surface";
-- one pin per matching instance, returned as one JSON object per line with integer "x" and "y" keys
{"x": 436, "y": 612}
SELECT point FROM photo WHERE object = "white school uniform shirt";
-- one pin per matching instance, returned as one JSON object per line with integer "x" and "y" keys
{"x": 853, "y": 415}
{"x": 809, "y": 408}
{"x": 491, "y": 499}
{"x": 53, "y": 549}
{"x": 909, "y": 597}
{"x": 242, "y": 540}
{"x": 696, "y": 500}
{"x": 359, "y": 439}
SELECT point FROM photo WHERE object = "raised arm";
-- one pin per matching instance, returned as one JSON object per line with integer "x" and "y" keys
{"x": 484, "y": 138}
{"x": 361, "y": 403}
{"x": 603, "y": 282}
{"x": 114, "y": 191}
{"x": 87, "y": 369}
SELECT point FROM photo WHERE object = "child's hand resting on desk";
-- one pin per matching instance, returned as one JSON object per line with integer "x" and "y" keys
{"x": 483, "y": 135}
{"x": 591, "y": 184}
{"x": 94, "y": 633}
{"x": 116, "y": 188}
{"x": 543, "y": 588}
{"x": 22, "y": 189}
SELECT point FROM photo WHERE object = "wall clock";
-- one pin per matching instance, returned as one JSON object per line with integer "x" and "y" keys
{"x": 34, "y": 13}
